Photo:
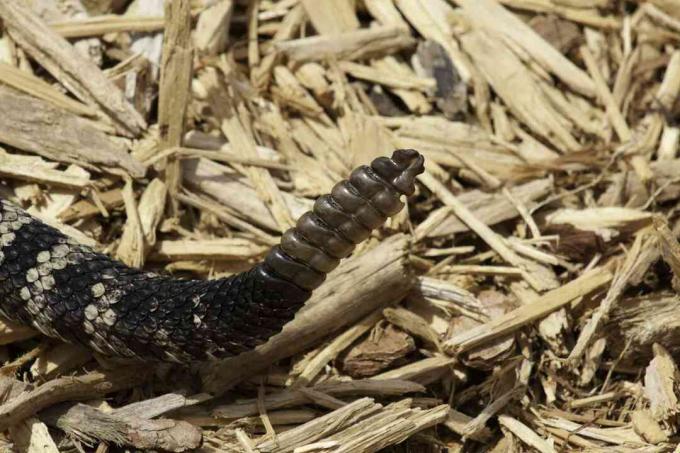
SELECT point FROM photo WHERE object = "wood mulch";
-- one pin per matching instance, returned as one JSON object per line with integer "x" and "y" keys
{"x": 524, "y": 301}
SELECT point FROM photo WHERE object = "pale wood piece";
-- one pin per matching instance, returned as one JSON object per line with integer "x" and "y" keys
{"x": 225, "y": 155}
{"x": 76, "y": 73}
{"x": 385, "y": 12}
{"x": 212, "y": 28}
{"x": 526, "y": 434}
{"x": 444, "y": 290}
{"x": 174, "y": 87}
{"x": 30, "y": 84}
{"x": 331, "y": 17}
{"x": 35, "y": 169}
{"x": 106, "y": 23}
{"x": 85, "y": 208}
{"x": 293, "y": 20}
{"x": 150, "y": 209}
{"x": 568, "y": 9}
{"x": 155, "y": 407}
{"x": 226, "y": 216}
{"x": 389, "y": 79}
{"x": 669, "y": 143}
{"x": 596, "y": 218}
{"x": 131, "y": 247}
{"x": 139, "y": 232}
{"x": 423, "y": 371}
{"x": 291, "y": 92}
{"x": 32, "y": 436}
{"x": 490, "y": 208}
{"x": 11, "y": 333}
{"x": 34, "y": 125}
{"x": 613, "y": 112}
{"x": 645, "y": 425}
{"x": 617, "y": 436}
{"x": 457, "y": 422}
{"x": 212, "y": 249}
{"x": 594, "y": 400}
{"x": 365, "y": 426}
{"x": 59, "y": 360}
{"x": 662, "y": 380}
{"x": 356, "y": 45}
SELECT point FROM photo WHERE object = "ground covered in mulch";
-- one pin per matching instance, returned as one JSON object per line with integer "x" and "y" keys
{"x": 524, "y": 301}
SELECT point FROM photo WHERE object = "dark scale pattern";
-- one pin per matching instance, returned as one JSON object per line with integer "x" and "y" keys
{"x": 68, "y": 291}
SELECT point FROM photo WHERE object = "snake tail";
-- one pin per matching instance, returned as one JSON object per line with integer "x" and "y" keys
{"x": 70, "y": 292}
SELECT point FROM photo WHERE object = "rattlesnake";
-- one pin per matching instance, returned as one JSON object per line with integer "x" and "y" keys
{"x": 68, "y": 291}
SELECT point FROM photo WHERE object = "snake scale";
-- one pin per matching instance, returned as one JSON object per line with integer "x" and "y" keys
{"x": 68, "y": 291}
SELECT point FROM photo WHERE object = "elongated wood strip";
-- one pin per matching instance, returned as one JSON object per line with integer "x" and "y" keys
{"x": 87, "y": 386}
{"x": 174, "y": 88}
{"x": 131, "y": 247}
{"x": 101, "y": 25}
{"x": 37, "y": 87}
{"x": 76, "y": 72}
{"x": 85, "y": 208}
{"x": 33, "y": 168}
{"x": 603, "y": 91}
{"x": 34, "y": 125}
{"x": 354, "y": 45}
{"x": 591, "y": 17}
{"x": 392, "y": 79}
{"x": 541, "y": 307}
{"x": 216, "y": 249}
{"x": 423, "y": 371}
{"x": 288, "y": 398}
{"x": 526, "y": 434}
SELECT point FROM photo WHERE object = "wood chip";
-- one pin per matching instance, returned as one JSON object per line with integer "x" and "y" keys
{"x": 78, "y": 74}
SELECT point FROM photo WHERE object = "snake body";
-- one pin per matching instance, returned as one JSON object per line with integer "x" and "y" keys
{"x": 68, "y": 291}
